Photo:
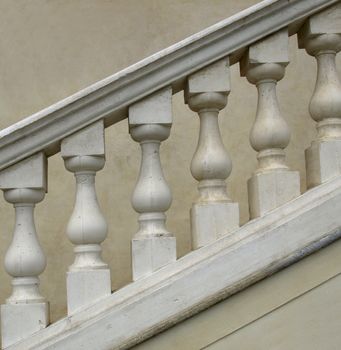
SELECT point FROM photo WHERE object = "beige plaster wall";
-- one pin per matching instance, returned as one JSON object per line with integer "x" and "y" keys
{"x": 309, "y": 322}
{"x": 52, "y": 48}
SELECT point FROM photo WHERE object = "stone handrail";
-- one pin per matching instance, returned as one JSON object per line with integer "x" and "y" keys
{"x": 109, "y": 98}
{"x": 257, "y": 38}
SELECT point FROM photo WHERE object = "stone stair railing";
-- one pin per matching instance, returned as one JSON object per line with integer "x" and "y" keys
{"x": 256, "y": 38}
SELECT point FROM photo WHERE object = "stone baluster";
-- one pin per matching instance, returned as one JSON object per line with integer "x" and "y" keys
{"x": 321, "y": 37}
{"x": 213, "y": 214}
{"x": 273, "y": 183}
{"x": 88, "y": 278}
{"x": 26, "y": 310}
{"x": 153, "y": 246}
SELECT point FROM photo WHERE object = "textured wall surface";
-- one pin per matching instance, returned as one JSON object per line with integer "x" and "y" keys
{"x": 53, "y": 48}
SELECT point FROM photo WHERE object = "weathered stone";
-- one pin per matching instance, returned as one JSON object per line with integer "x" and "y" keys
{"x": 87, "y": 142}
{"x": 86, "y": 287}
{"x": 270, "y": 190}
{"x": 153, "y": 109}
{"x": 151, "y": 253}
{"x": 209, "y": 221}
{"x": 19, "y": 321}
{"x": 323, "y": 161}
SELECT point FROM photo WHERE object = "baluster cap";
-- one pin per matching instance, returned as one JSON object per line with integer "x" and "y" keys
{"x": 153, "y": 109}
{"x": 267, "y": 58}
{"x": 322, "y": 31}
{"x": 210, "y": 80}
{"x": 29, "y": 173}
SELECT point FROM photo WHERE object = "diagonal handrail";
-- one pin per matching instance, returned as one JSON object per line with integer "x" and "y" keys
{"x": 109, "y": 98}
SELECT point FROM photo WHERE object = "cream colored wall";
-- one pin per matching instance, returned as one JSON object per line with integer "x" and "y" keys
{"x": 310, "y": 322}
{"x": 52, "y": 48}
{"x": 297, "y": 308}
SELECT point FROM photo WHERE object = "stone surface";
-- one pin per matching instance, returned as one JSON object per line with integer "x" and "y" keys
{"x": 29, "y": 173}
{"x": 86, "y": 287}
{"x": 88, "y": 278}
{"x": 212, "y": 220}
{"x": 272, "y": 184}
{"x": 25, "y": 311}
{"x": 320, "y": 36}
{"x": 272, "y": 49}
{"x": 214, "y": 78}
{"x": 153, "y": 246}
{"x": 154, "y": 109}
{"x": 212, "y": 214}
{"x": 325, "y": 22}
{"x": 19, "y": 321}
{"x": 323, "y": 161}
{"x": 87, "y": 142}
{"x": 151, "y": 253}
{"x": 268, "y": 191}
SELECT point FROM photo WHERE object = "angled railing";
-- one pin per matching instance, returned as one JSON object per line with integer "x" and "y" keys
{"x": 257, "y": 39}
{"x": 109, "y": 98}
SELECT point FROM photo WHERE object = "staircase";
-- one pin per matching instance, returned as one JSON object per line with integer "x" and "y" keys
{"x": 284, "y": 225}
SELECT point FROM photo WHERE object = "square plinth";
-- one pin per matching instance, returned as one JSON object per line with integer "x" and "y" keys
{"x": 212, "y": 220}
{"x": 323, "y": 161}
{"x": 151, "y": 253}
{"x": 86, "y": 287}
{"x": 19, "y": 321}
{"x": 268, "y": 191}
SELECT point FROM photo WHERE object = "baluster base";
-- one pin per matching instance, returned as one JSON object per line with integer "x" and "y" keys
{"x": 323, "y": 161}
{"x": 151, "y": 253}
{"x": 85, "y": 287}
{"x": 19, "y": 321}
{"x": 209, "y": 221}
{"x": 268, "y": 191}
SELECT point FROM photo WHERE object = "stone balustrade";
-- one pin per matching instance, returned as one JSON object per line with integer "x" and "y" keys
{"x": 88, "y": 278}
{"x": 272, "y": 184}
{"x": 152, "y": 246}
{"x": 321, "y": 37}
{"x": 213, "y": 213}
{"x": 26, "y": 311}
